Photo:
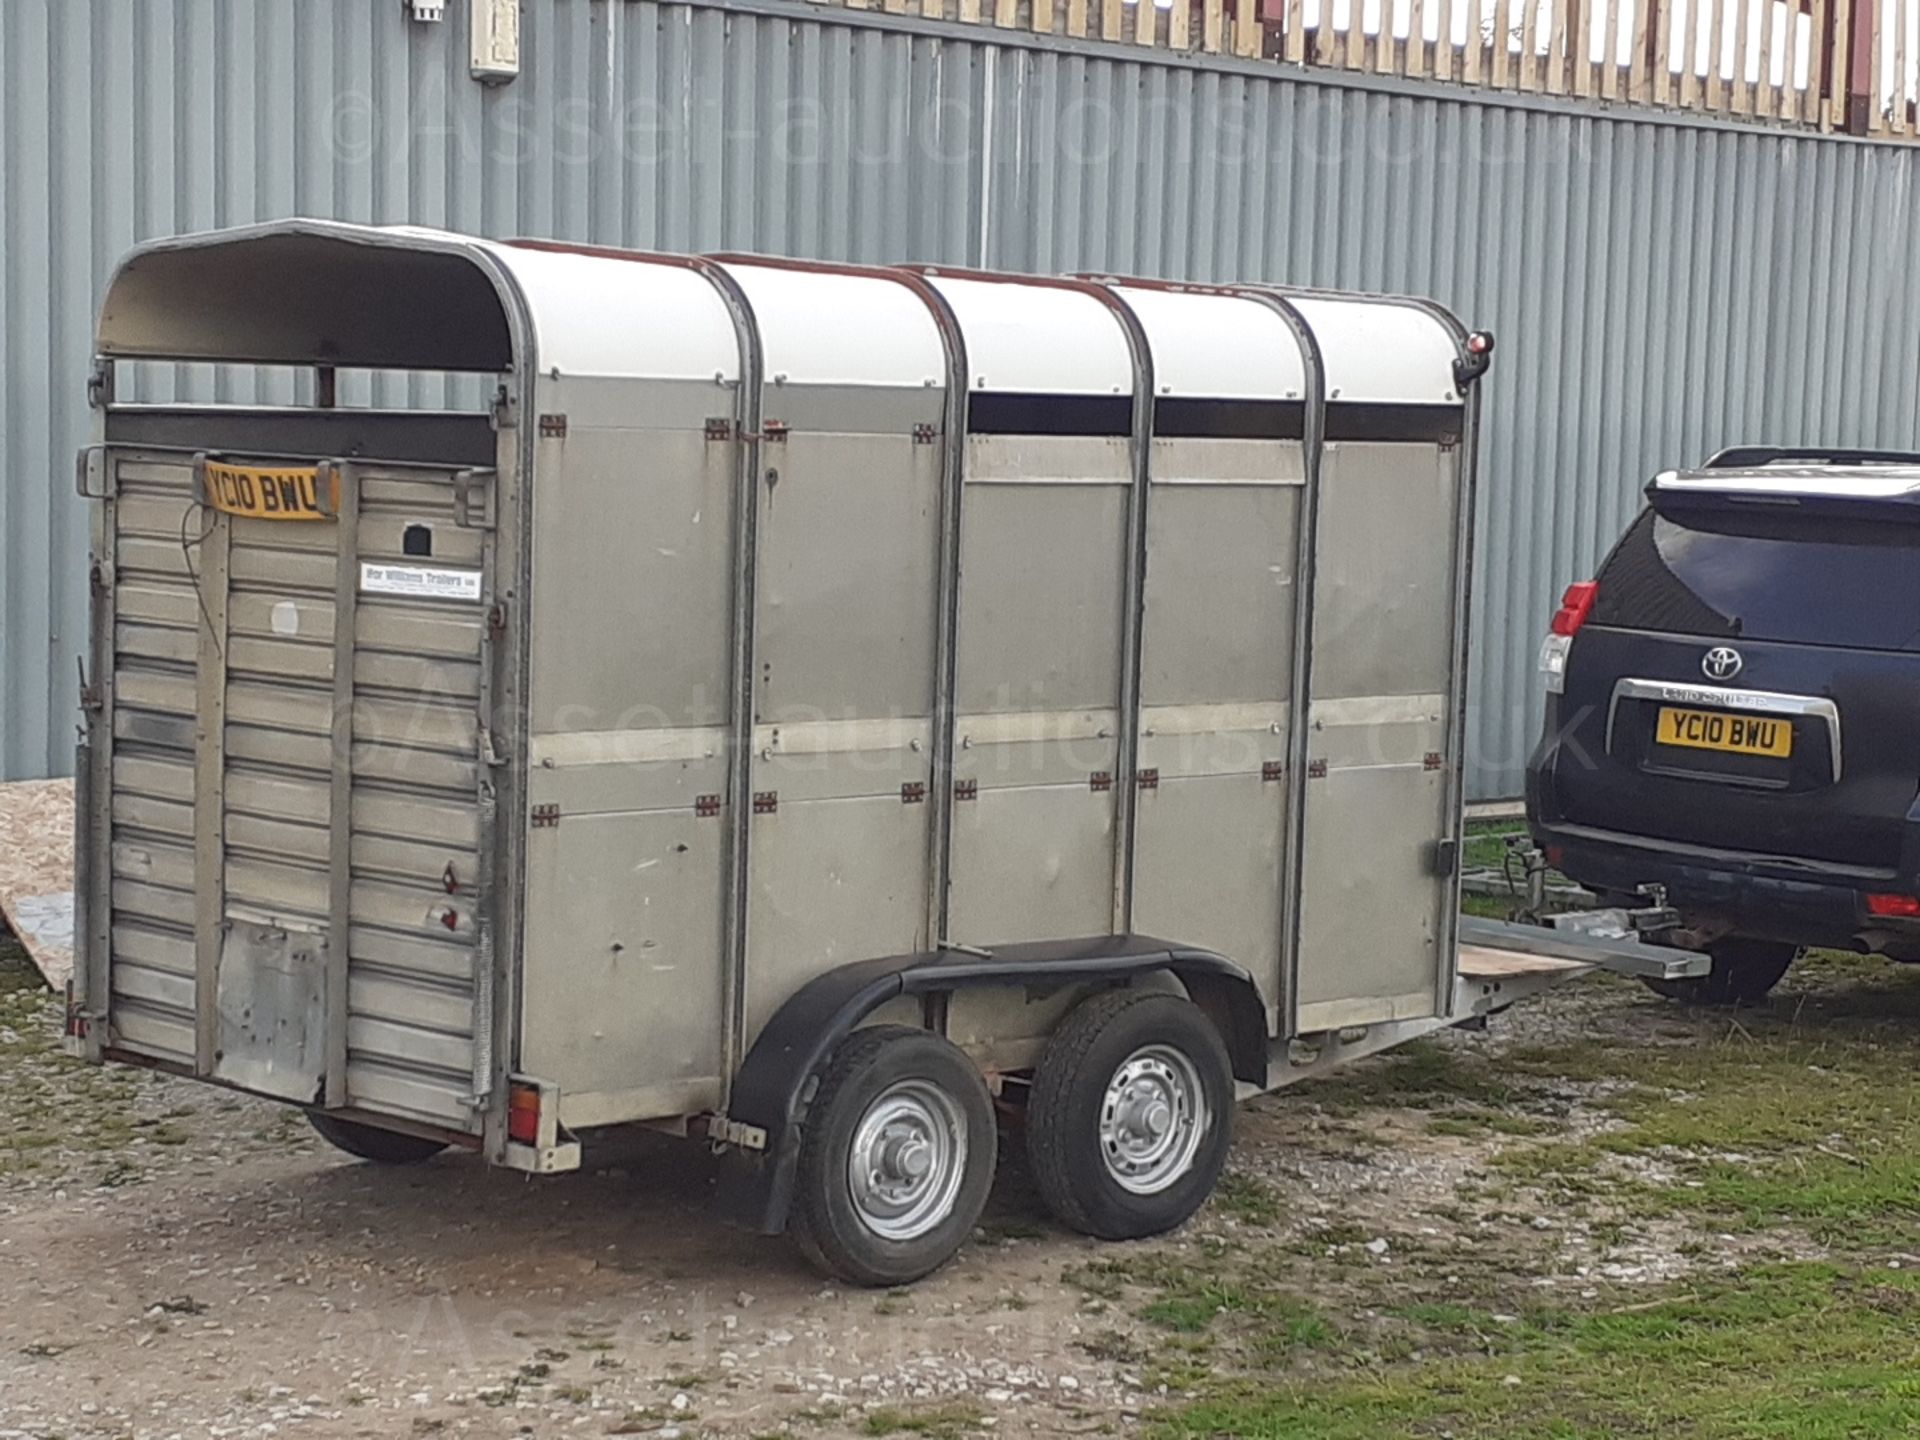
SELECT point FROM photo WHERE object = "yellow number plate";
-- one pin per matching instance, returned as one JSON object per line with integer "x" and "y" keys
{"x": 1735, "y": 734}
{"x": 270, "y": 492}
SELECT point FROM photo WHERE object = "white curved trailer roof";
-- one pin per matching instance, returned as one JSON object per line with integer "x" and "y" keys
{"x": 1206, "y": 345}
{"x": 622, "y": 314}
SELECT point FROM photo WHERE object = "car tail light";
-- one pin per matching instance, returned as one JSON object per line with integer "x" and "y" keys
{"x": 1575, "y": 606}
{"x": 1904, "y": 907}
{"x": 523, "y": 1115}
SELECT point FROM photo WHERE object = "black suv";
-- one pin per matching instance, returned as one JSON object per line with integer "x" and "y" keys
{"x": 1733, "y": 714}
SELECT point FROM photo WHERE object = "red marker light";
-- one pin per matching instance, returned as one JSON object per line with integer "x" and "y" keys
{"x": 523, "y": 1115}
{"x": 1904, "y": 907}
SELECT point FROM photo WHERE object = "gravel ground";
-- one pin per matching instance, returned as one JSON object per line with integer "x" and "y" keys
{"x": 178, "y": 1261}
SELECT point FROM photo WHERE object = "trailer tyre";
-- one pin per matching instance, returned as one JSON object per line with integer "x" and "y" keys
{"x": 1131, "y": 1114}
{"x": 369, "y": 1142}
{"x": 897, "y": 1157}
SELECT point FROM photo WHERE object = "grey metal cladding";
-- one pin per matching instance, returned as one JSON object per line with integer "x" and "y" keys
{"x": 1663, "y": 285}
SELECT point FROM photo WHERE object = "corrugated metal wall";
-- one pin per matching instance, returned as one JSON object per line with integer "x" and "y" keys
{"x": 1660, "y": 286}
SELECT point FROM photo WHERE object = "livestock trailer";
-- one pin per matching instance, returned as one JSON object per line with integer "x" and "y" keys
{"x": 823, "y": 710}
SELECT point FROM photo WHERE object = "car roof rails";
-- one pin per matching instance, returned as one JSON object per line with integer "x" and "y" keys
{"x": 1754, "y": 457}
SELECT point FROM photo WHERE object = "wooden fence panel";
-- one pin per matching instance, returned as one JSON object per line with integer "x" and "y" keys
{"x": 1823, "y": 64}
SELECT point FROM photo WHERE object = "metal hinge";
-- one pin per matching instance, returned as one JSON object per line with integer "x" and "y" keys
{"x": 719, "y": 428}
{"x": 1100, "y": 780}
{"x": 505, "y": 411}
{"x": 1316, "y": 769}
{"x": 1148, "y": 779}
{"x": 1433, "y": 761}
{"x": 100, "y": 384}
{"x": 924, "y": 434}
{"x": 913, "y": 792}
{"x": 706, "y": 806}
{"x": 723, "y": 1131}
{"x": 553, "y": 427}
{"x": 1273, "y": 770}
{"x": 966, "y": 789}
{"x": 775, "y": 431}
{"x": 766, "y": 802}
{"x": 546, "y": 817}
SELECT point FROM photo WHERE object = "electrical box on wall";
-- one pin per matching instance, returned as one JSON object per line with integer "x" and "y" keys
{"x": 495, "y": 31}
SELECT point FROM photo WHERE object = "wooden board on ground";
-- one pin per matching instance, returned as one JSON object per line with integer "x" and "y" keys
{"x": 36, "y": 872}
{"x": 1477, "y": 963}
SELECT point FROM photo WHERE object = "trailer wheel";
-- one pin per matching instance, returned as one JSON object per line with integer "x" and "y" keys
{"x": 370, "y": 1142}
{"x": 1131, "y": 1114}
{"x": 897, "y": 1158}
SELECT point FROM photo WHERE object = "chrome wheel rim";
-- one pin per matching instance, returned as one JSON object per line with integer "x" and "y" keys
{"x": 908, "y": 1157}
{"x": 1152, "y": 1119}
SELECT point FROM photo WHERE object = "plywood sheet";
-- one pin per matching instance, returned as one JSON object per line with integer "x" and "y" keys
{"x": 1480, "y": 964}
{"x": 36, "y": 872}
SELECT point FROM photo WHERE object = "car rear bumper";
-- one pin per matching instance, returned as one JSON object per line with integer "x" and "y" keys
{"x": 1763, "y": 896}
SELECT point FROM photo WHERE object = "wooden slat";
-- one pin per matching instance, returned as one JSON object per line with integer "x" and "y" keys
{"x": 1742, "y": 96}
{"x": 1610, "y": 53}
{"x": 1580, "y": 46}
{"x": 1247, "y": 34}
{"x": 970, "y": 11}
{"x": 894, "y": 7}
{"x": 1640, "y": 72}
{"x": 1715, "y": 94}
{"x": 1385, "y": 45}
{"x": 1805, "y": 104}
{"x": 1505, "y": 14}
{"x": 1896, "y": 85}
{"x": 1416, "y": 61}
{"x": 1076, "y": 19}
{"x": 1772, "y": 101}
{"x": 1836, "y": 110}
{"x": 1006, "y": 13}
{"x": 1295, "y": 39}
{"x": 1146, "y": 22}
{"x": 1041, "y": 18}
{"x": 1179, "y": 24}
{"x": 1559, "y": 75}
{"x": 934, "y": 9}
{"x": 1476, "y": 47}
{"x": 1356, "y": 41}
{"x": 1876, "y": 120}
{"x": 1663, "y": 54}
{"x": 1446, "y": 55}
{"x": 1113, "y": 14}
{"x": 1213, "y": 32}
{"x": 1532, "y": 66}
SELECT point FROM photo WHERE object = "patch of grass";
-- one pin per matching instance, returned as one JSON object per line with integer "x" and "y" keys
{"x": 1786, "y": 1350}
{"x": 1423, "y": 1075}
{"x": 938, "y": 1421}
{"x": 1251, "y": 1201}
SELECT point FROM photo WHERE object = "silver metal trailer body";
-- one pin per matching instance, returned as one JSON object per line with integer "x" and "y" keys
{"x": 767, "y": 677}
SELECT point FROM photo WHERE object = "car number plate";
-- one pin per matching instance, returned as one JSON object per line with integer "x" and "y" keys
{"x": 269, "y": 492}
{"x": 1717, "y": 730}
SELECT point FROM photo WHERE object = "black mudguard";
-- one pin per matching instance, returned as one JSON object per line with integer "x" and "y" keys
{"x": 773, "y": 1087}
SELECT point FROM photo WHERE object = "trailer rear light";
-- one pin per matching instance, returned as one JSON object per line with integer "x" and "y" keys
{"x": 523, "y": 1115}
{"x": 1903, "y": 907}
{"x": 1575, "y": 606}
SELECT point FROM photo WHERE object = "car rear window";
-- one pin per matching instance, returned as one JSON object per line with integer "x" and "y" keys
{"x": 1806, "y": 579}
